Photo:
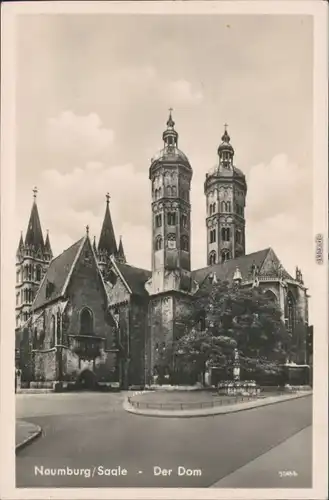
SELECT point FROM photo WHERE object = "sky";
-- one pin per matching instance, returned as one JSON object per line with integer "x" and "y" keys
{"x": 92, "y": 100}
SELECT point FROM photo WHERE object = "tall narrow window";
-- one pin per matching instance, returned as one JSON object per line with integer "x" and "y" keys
{"x": 184, "y": 243}
{"x": 171, "y": 218}
{"x": 228, "y": 206}
{"x": 212, "y": 235}
{"x": 291, "y": 312}
{"x": 158, "y": 220}
{"x": 238, "y": 237}
{"x": 223, "y": 206}
{"x": 212, "y": 258}
{"x": 86, "y": 322}
{"x": 184, "y": 220}
{"x": 53, "y": 331}
{"x": 17, "y": 299}
{"x": 225, "y": 233}
{"x": 225, "y": 255}
{"x": 158, "y": 243}
{"x": 38, "y": 277}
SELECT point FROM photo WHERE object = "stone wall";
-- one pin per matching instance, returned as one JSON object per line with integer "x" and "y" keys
{"x": 45, "y": 365}
{"x": 138, "y": 328}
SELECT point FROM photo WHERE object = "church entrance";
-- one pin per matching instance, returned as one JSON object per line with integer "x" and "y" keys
{"x": 87, "y": 381}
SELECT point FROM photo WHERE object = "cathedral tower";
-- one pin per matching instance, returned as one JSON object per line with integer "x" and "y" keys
{"x": 107, "y": 245}
{"x": 32, "y": 259}
{"x": 170, "y": 174}
{"x": 225, "y": 189}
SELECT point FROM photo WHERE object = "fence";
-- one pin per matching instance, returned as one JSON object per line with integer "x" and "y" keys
{"x": 186, "y": 406}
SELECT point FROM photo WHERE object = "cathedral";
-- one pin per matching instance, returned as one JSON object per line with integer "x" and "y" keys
{"x": 89, "y": 317}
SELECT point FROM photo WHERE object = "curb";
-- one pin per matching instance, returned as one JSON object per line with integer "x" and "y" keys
{"x": 216, "y": 411}
{"x": 29, "y": 439}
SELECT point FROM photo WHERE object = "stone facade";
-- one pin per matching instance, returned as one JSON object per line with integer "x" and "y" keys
{"x": 92, "y": 313}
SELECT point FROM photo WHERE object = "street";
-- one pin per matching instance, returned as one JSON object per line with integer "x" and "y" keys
{"x": 91, "y": 432}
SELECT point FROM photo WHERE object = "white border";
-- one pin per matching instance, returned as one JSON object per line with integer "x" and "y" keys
{"x": 319, "y": 11}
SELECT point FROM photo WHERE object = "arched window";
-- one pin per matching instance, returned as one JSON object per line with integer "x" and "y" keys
{"x": 58, "y": 328}
{"x": 238, "y": 236}
{"x": 38, "y": 273}
{"x": 26, "y": 272}
{"x": 171, "y": 218}
{"x": 18, "y": 276}
{"x": 225, "y": 255}
{"x": 174, "y": 191}
{"x": 171, "y": 240}
{"x": 184, "y": 220}
{"x": 212, "y": 235}
{"x": 86, "y": 322}
{"x": 158, "y": 220}
{"x": 169, "y": 190}
{"x": 228, "y": 206}
{"x": 184, "y": 243}
{"x": 223, "y": 206}
{"x": 212, "y": 258}
{"x": 270, "y": 295}
{"x": 30, "y": 272}
{"x": 158, "y": 243}
{"x": 291, "y": 312}
{"x": 225, "y": 233}
{"x": 17, "y": 299}
{"x": 53, "y": 331}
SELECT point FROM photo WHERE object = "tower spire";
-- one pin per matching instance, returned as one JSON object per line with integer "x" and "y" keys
{"x": 34, "y": 237}
{"x": 121, "y": 255}
{"x": 225, "y": 149}
{"x": 107, "y": 243}
{"x": 48, "y": 250}
{"x": 170, "y": 136}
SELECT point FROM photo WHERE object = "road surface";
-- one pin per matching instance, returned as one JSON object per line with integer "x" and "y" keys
{"x": 89, "y": 434}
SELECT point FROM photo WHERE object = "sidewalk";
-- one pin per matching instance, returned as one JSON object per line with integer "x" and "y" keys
{"x": 25, "y": 433}
{"x": 215, "y": 410}
{"x": 288, "y": 465}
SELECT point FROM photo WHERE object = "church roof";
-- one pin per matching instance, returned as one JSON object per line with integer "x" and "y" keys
{"x": 226, "y": 270}
{"x": 107, "y": 242}
{"x": 135, "y": 277}
{"x": 34, "y": 237}
{"x": 57, "y": 275}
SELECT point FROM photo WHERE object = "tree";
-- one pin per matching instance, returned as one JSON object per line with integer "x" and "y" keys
{"x": 224, "y": 316}
{"x": 197, "y": 348}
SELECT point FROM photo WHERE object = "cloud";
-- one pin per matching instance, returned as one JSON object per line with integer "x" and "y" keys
{"x": 277, "y": 187}
{"x": 78, "y": 137}
{"x": 182, "y": 91}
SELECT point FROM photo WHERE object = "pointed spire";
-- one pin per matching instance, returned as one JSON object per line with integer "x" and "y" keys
{"x": 170, "y": 136}
{"x": 34, "y": 236}
{"x": 121, "y": 255}
{"x": 20, "y": 247}
{"x": 48, "y": 250}
{"x": 107, "y": 243}
{"x": 94, "y": 245}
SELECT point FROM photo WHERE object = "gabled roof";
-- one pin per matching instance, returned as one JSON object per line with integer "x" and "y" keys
{"x": 226, "y": 270}
{"x": 34, "y": 237}
{"x": 58, "y": 274}
{"x": 107, "y": 242}
{"x": 135, "y": 277}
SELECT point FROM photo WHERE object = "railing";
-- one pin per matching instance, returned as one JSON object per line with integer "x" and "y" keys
{"x": 86, "y": 346}
{"x": 187, "y": 406}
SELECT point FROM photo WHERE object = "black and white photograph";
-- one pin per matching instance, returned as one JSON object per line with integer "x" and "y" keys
{"x": 167, "y": 250}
